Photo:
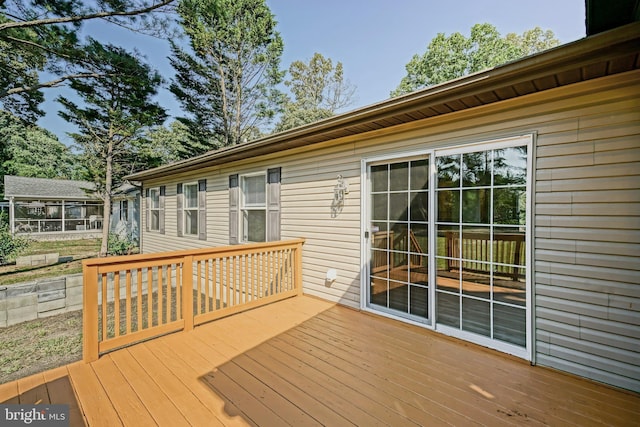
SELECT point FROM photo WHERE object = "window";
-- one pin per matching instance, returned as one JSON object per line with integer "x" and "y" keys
{"x": 191, "y": 201}
{"x": 254, "y": 208}
{"x": 154, "y": 209}
{"x": 124, "y": 210}
{"x": 191, "y": 208}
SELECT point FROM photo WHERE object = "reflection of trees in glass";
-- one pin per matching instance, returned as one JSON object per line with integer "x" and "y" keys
{"x": 449, "y": 206}
{"x": 509, "y": 205}
{"x": 498, "y": 168}
{"x": 448, "y": 171}
{"x": 476, "y": 169}
{"x": 510, "y": 166}
{"x": 476, "y": 205}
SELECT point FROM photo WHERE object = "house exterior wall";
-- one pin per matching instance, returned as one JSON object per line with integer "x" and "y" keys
{"x": 586, "y": 259}
{"x": 130, "y": 228}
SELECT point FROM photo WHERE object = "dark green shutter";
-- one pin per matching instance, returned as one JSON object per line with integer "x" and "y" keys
{"x": 273, "y": 204}
{"x": 234, "y": 195}
{"x": 202, "y": 209}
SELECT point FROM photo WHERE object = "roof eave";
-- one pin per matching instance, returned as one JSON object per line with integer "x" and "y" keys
{"x": 572, "y": 55}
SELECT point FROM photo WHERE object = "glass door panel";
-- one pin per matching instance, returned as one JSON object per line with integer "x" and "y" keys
{"x": 399, "y": 240}
{"x": 481, "y": 240}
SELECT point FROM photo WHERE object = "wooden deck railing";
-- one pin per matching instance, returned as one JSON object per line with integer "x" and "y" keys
{"x": 479, "y": 249}
{"x": 132, "y": 298}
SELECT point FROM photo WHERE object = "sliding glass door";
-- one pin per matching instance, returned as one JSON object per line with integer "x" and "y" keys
{"x": 481, "y": 228}
{"x": 463, "y": 263}
{"x": 400, "y": 237}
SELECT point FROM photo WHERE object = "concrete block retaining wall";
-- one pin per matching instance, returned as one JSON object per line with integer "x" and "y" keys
{"x": 35, "y": 260}
{"x": 40, "y": 298}
{"x": 51, "y": 296}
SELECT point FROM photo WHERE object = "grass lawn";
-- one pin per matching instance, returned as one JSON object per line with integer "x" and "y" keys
{"x": 38, "y": 345}
{"x": 49, "y": 342}
{"x": 74, "y": 250}
{"x": 78, "y": 247}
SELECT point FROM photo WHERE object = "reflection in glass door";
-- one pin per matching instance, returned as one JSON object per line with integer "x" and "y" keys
{"x": 481, "y": 225}
{"x": 399, "y": 213}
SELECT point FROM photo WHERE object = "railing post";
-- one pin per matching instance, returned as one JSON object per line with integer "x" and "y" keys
{"x": 90, "y": 313}
{"x": 187, "y": 292}
{"x": 298, "y": 268}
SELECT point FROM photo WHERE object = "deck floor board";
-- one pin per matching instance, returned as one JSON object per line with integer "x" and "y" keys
{"x": 439, "y": 366}
{"x": 398, "y": 366}
{"x": 96, "y": 406}
{"x": 124, "y": 399}
{"x": 308, "y": 362}
{"x": 155, "y": 400}
{"x": 420, "y": 366}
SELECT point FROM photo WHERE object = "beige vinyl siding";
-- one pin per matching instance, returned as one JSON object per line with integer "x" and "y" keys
{"x": 586, "y": 214}
{"x": 588, "y": 245}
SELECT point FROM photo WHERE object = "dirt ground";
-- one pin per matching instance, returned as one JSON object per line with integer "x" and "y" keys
{"x": 38, "y": 345}
{"x": 41, "y": 344}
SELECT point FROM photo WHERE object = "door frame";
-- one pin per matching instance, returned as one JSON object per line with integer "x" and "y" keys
{"x": 365, "y": 222}
{"x": 527, "y": 139}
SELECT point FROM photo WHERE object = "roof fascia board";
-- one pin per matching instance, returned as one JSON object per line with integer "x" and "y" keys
{"x": 570, "y": 56}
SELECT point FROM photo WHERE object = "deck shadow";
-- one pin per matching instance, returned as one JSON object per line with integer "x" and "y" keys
{"x": 343, "y": 367}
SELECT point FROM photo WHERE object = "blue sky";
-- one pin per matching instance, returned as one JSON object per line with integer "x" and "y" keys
{"x": 374, "y": 39}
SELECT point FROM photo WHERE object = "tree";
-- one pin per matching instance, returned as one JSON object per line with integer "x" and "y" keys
{"x": 227, "y": 82}
{"x": 112, "y": 123}
{"x": 29, "y": 150}
{"x": 10, "y": 245}
{"x": 447, "y": 58}
{"x": 319, "y": 90}
{"x": 167, "y": 143}
{"x": 39, "y": 36}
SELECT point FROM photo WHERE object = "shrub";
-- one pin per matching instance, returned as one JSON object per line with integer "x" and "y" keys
{"x": 10, "y": 245}
{"x": 120, "y": 245}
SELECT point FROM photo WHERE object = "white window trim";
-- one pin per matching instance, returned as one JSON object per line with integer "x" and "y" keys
{"x": 251, "y": 207}
{"x": 185, "y": 209}
{"x": 154, "y": 209}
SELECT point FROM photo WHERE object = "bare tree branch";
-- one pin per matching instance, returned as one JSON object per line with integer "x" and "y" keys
{"x": 37, "y": 46}
{"x": 78, "y": 18}
{"x": 52, "y": 83}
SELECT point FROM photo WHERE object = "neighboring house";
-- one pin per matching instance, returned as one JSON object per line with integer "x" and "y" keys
{"x": 52, "y": 208}
{"x": 125, "y": 212}
{"x": 500, "y": 208}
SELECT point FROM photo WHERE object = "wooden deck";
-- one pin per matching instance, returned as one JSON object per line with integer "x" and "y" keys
{"x": 304, "y": 361}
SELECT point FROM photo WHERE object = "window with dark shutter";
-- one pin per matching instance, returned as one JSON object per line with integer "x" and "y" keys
{"x": 147, "y": 207}
{"x": 154, "y": 209}
{"x": 161, "y": 204}
{"x": 190, "y": 208}
{"x": 179, "y": 204}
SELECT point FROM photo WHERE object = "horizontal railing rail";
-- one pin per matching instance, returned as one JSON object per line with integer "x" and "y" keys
{"x": 128, "y": 299}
